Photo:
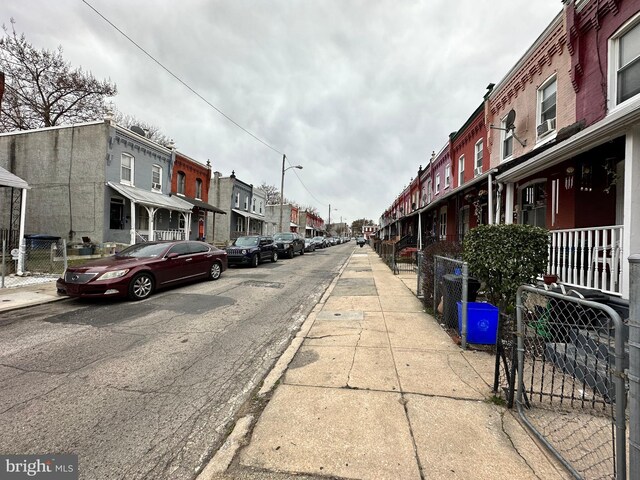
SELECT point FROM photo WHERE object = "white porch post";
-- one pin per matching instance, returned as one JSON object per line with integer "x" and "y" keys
{"x": 132, "y": 220}
{"x": 21, "y": 244}
{"x": 187, "y": 225}
{"x": 631, "y": 232}
{"x": 152, "y": 213}
{"x": 508, "y": 208}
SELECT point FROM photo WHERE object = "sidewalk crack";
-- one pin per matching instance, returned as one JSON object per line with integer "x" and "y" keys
{"x": 504, "y": 431}
{"x": 353, "y": 360}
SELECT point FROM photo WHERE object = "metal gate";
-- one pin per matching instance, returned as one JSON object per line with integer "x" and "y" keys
{"x": 571, "y": 383}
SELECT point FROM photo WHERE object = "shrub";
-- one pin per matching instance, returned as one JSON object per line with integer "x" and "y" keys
{"x": 505, "y": 257}
{"x": 443, "y": 249}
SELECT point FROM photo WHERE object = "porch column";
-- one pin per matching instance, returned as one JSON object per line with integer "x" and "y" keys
{"x": 187, "y": 224}
{"x": 151, "y": 212}
{"x": 21, "y": 241}
{"x": 631, "y": 216}
{"x": 508, "y": 208}
{"x": 132, "y": 224}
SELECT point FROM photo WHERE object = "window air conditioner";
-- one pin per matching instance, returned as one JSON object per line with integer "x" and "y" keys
{"x": 478, "y": 171}
{"x": 546, "y": 127}
{"x": 156, "y": 186}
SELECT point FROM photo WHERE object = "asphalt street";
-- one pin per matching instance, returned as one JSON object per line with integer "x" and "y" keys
{"x": 148, "y": 390}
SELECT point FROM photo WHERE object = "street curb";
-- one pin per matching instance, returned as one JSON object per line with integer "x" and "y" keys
{"x": 225, "y": 454}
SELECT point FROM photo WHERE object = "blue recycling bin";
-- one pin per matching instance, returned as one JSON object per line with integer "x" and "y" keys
{"x": 482, "y": 322}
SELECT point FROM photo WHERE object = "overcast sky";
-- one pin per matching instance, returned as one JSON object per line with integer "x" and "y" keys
{"x": 357, "y": 92}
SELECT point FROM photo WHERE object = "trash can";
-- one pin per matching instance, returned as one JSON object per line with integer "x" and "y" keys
{"x": 452, "y": 294}
{"x": 39, "y": 241}
{"x": 482, "y": 322}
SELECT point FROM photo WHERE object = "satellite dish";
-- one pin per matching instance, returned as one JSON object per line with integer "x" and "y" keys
{"x": 140, "y": 131}
{"x": 510, "y": 120}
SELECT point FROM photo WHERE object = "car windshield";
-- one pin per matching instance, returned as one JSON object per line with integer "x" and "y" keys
{"x": 317, "y": 238}
{"x": 283, "y": 236}
{"x": 142, "y": 250}
{"x": 246, "y": 242}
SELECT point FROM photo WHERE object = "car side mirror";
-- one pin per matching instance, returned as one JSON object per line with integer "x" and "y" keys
{"x": 173, "y": 255}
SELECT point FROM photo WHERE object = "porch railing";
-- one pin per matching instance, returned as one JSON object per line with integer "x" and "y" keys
{"x": 587, "y": 257}
{"x": 169, "y": 234}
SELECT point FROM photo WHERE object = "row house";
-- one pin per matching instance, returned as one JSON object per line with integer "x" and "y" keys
{"x": 100, "y": 181}
{"x": 283, "y": 218}
{"x": 311, "y": 224}
{"x": 190, "y": 181}
{"x": 245, "y": 207}
{"x": 554, "y": 144}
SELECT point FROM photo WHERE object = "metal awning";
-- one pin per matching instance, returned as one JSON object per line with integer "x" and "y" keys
{"x": 308, "y": 228}
{"x": 614, "y": 125}
{"x": 293, "y": 224}
{"x": 8, "y": 179}
{"x": 200, "y": 204}
{"x": 152, "y": 199}
{"x": 248, "y": 214}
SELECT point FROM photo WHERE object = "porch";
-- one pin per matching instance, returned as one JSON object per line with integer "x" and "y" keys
{"x": 588, "y": 257}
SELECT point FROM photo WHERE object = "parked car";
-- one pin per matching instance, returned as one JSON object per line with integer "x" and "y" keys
{"x": 251, "y": 250}
{"x": 320, "y": 242}
{"x": 288, "y": 244}
{"x": 361, "y": 241}
{"x": 137, "y": 271}
{"x": 309, "y": 245}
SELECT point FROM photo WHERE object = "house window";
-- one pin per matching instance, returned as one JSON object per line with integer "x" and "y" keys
{"x": 142, "y": 218}
{"x": 461, "y": 170}
{"x": 447, "y": 176}
{"x": 624, "y": 54}
{"x": 239, "y": 224}
{"x": 246, "y": 203}
{"x": 547, "y": 107}
{"x": 478, "y": 158}
{"x": 429, "y": 188}
{"x": 126, "y": 169}
{"x": 253, "y": 205}
{"x": 443, "y": 223}
{"x": 237, "y": 203}
{"x": 260, "y": 212}
{"x": 116, "y": 214}
{"x": 156, "y": 177}
{"x": 198, "y": 188}
{"x": 181, "y": 182}
{"x": 533, "y": 202}
{"x": 438, "y": 183}
{"x": 507, "y": 140}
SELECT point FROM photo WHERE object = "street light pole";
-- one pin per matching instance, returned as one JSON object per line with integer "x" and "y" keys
{"x": 284, "y": 157}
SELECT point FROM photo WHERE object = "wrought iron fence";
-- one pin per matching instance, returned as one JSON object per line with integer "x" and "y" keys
{"x": 506, "y": 359}
{"x": 571, "y": 383}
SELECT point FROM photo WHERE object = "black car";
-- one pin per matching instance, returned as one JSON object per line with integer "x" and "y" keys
{"x": 251, "y": 250}
{"x": 288, "y": 244}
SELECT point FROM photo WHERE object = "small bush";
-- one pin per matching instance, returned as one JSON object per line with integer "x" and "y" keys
{"x": 443, "y": 249}
{"x": 504, "y": 257}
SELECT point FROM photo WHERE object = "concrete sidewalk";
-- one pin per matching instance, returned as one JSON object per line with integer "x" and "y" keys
{"x": 376, "y": 389}
{"x": 28, "y": 295}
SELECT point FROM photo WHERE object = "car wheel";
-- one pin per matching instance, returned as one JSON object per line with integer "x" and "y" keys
{"x": 290, "y": 253}
{"x": 215, "y": 271}
{"x": 141, "y": 286}
{"x": 302, "y": 251}
{"x": 274, "y": 257}
{"x": 255, "y": 261}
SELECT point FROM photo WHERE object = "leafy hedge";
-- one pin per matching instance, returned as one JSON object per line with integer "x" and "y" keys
{"x": 504, "y": 257}
{"x": 443, "y": 249}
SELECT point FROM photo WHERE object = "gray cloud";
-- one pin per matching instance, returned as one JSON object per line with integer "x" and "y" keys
{"x": 359, "y": 92}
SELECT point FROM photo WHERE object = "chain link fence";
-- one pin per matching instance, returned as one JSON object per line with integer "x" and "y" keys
{"x": 36, "y": 260}
{"x": 571, "y": 379}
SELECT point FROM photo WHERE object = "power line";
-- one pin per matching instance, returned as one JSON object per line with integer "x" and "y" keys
{"x": 182, "y": 81}
{"x": 166, "y": 69}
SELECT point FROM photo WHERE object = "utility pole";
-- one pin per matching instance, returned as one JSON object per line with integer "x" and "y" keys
{"x": 281, "y": 192}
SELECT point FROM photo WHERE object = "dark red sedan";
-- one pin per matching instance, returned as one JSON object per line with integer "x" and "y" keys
{"x": 140, "y": 269}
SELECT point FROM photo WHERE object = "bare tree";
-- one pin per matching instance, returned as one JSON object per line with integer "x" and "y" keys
{"x": 272, "y": 192}
{"x": 152, "y": 132}
{"x": 309, "y": 208}
{"x": 41, "y": 88}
